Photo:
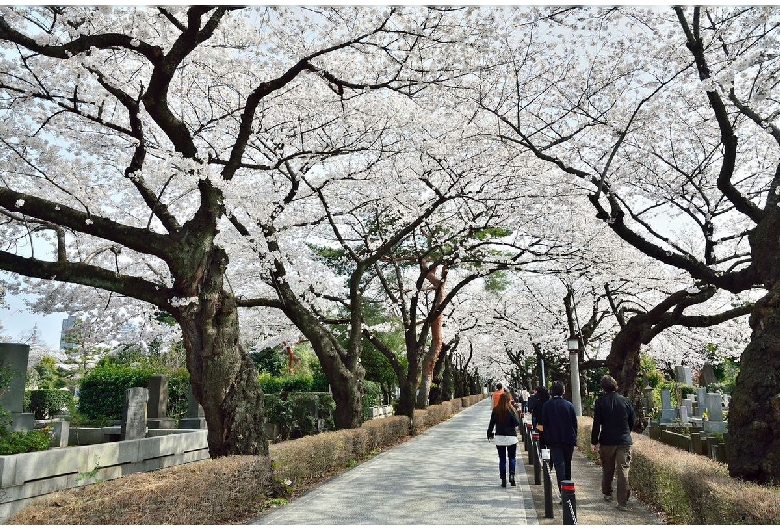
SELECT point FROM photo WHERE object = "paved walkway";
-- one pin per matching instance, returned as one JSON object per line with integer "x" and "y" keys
{"x": 445, "y": 476}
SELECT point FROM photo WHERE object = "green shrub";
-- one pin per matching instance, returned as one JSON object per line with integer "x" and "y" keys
{"x": 372, "y": 397}
{"x": 46, "y": 403}
{"x": 271, "y": 384}
{"x": 12, "y": 443}
{"x": 298, "y": 413}
{"x": 178, "y": 389}
{"x": 102, "y": 390}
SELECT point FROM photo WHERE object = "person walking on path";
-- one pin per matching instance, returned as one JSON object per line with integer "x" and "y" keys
{"x": 558, "y": 425}
{"x": 497, "y": 394}
{"x": 535, "y": 404}
{"x": 505, "y": 420}
{"x": 524, "y": 400}
{"x": 613, "y": 420}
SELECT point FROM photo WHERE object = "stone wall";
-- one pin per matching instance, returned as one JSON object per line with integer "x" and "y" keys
{"x": 24, "y": 477}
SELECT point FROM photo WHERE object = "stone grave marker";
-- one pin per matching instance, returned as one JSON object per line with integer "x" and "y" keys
{"x": 701, "y": 400}
{"x": 684, "y": 414}
{"x": 14, "y": 358}
{"x": 683, "y": 375}
{"x": 668, "y": 413}
{"x": 134, "y": 414}
{"x": 157, "y": 410}
{"x": 707, "y": 375}
{"x": 688, "y": 406}
{"x": 60, "y": 432}
{"x": 195, "y": 416}
{"x": 714, "y": 421}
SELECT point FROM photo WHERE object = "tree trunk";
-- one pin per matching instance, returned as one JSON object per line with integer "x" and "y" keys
{"x": 429, "y": 364}
{"x": 341, "y": 368}
{"x": 223, "y": 378}
{"x": 406, "y": 400}
{"x": 754, "y": 410}
{"x": 348, "y": 395}
{"x": 623, "y": 363}
{"x": 432, "y": 355}
{"x": 438, "y": 393}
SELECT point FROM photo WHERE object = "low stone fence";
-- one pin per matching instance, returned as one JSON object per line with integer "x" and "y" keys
{"x": 23, "y": 477}
{"x": 691, "y": 439}
{"x": 381, "y": 412}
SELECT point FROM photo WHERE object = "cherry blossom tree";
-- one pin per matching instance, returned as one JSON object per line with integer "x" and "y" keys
{"x": 665, "y": 118}
{"x": 134, "y": 139}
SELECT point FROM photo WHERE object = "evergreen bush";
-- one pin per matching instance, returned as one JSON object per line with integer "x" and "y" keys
{"x": 12, "y": 443}
{"x": 46, "y": 403}
{"x": 102, "y": 390}
{"x": 297, "y": 413}
{"x": 271, "y": 384}
{"x": 372, "y": 397}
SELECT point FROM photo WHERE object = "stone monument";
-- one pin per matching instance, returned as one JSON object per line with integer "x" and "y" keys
{"x": 683, "y": 375}
{"x": 158, "y": 404}
{"x": 707, "y": 375}
{"x": 714, "y": 421}
{"x": 13, "y": 359}
{"x": 701, "y": 400}
{"x": 195, "y": 416}
{"x": 668, "y": 413}
{"x": 134, "y": 414}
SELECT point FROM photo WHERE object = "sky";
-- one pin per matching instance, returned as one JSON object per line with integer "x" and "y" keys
{"x": 19, "y": 323}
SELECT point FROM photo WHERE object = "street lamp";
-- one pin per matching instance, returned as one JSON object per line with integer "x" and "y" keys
{"x": 573, "y": 344}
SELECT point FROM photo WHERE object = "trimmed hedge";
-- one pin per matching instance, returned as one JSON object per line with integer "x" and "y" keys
{"x": 271, "y": 384}
{"x": 690, "y": 488}
{"x": 299, "y": 462}
{"x": 102, "y": 390}
{"x": 46, "y": 403}
{"x": 298, "y": 413}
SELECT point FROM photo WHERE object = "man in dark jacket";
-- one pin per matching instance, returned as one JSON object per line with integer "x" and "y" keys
{"x": 613, "y": 420}
{"x": 535, "y": 404}
{"x": 558, "y": 424}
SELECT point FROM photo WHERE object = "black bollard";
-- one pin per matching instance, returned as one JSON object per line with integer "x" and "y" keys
{"x": 548, "y": 501}
{"x": 535, "y": 457}
{"x": 526, "y": 430}
{"x": 532, "y": 445}
{"x": 569, "y": 502}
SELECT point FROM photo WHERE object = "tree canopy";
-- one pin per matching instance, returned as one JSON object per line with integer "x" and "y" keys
{"x": 489, "y": 180}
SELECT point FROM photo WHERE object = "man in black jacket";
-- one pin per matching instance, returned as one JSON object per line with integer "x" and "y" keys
{"x": 558, "y": 425}
{"x": 613, "y": 420}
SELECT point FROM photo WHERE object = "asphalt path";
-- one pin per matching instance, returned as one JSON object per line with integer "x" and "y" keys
{"x": 447, "y": 475}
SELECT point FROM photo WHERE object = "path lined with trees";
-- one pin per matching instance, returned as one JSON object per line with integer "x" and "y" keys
{"x": 457, "y": 190}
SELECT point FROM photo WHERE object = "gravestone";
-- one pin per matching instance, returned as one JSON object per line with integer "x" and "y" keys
{"x": 647, "y": 392}
{"x": 195, "y": 416}
{"x": 714, "y": 421}
{"x": 668, "y": 414}
{"x": 158, "y": 403}
{"x": 688, "y": 406}
{"x": 134, "y": 414}
{"x": 60, "y": 432}
{"x": 683, "y": 375}
{"x": 701, "y": 400}
{"x": 684, "y": 414}
{"x": 707, "y": 375}
{"x": 14, "y": 358}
